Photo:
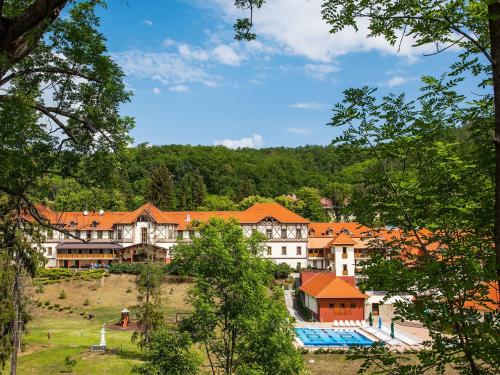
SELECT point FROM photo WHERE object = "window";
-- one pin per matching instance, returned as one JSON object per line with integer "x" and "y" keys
{"x": 80, "y": 251}
{"x": 101, "y": 251}
{"x": 49, "y": 251}
{"x": 119, "y": 233}
{"x": 344, "y": 252}
{"x": 299, "y": 250}
{"x": 99, "y": 234}
{"x": 353, "y": 305}
{"x": 331, "y": 305}
{"x": 298, "y": 233}
{"x": 283, "y": 233}
{"x": 269, "y": 250}
{"x": 315, "y": 264}
{"x": 170, "y": 233}
{"x": 269, "y": 233}
{"x": 89, "y": 234}
{"x": 283, "y": 250}
{"x": 144, "y": 235}
{"x": 342, "y": 305}
{"x": 77, "y": 233}
{"x": 110, "y": 234}
{"x": 299, "y": 266}
{"x": 344, "y": 270}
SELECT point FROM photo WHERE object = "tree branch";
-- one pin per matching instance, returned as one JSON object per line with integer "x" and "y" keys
{"x": 49, "y": 70}
{"x": 54, "y": 118}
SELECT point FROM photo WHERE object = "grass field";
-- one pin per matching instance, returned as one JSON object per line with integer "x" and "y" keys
{"x": 72, "y": 335}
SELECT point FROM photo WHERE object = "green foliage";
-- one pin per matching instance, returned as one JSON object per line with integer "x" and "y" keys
{"x": 69, "y": 363}
{"x": 282, "y": 271}
{"x": 46, "y": 276}
{"x": 312, "y": 208}
{"x": 242, "y": 328}
{"x": 217, "y": 203}
{"x": 149, "y": 309}
{"x": 191, "y": 191}
{"x": 427, "y": 176}
{"x": 251, "y": 200}
{"x": 62, "y": 295}
{"x": 161, "y": 191}
{"x": 134, "y": 268}
{"x": 169, "y": 353}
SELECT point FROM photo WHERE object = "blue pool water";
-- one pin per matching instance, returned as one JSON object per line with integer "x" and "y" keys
{"x": 331, "y": 337}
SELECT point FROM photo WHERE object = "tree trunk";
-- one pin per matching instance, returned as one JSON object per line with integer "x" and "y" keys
{"x": 494, "y": 28}
{"x": 16, "y": 331}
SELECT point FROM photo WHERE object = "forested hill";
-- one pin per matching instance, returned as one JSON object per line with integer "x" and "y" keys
{"x": 211, "y": 177}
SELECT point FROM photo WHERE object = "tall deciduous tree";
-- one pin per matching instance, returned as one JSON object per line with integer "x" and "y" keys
{"x": 161, "y": 190}
{"x": 241, "y": 327}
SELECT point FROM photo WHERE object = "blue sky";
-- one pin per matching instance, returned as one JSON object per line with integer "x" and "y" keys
{"x": 194, "y": 84}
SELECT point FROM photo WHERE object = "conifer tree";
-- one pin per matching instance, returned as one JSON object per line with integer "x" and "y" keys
{"x": 161, "y": 190}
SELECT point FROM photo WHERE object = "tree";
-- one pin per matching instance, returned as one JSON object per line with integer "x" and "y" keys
{"x": 251, "y": 200}
{"x": 169, "y": 353}
{"x": 313, "y": 209}
{"x": 149, "y": 308}
{"x": 59, "y": 111}
{"x": 428, "y": 176}
{"x": 246, "y": 189}
{"x": 340, "y": 195}
{"x": 161, "y": 191}
{"x": 217, "y": 203}
{"x": 473, "y": 26}
{"x": 191, "y": 191}
{"x": 232, "y": 306}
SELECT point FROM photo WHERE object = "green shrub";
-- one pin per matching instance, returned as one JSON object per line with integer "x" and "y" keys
{"x": 282, "y": 271}
{"x": 40, "y": 289}
{"x": 62, "y": 294}
{"x": 50, "y": 307}
{"x": 133, "y": 268}
{"x": 46, "y": 303}
{"x": 129, "y": 290}
{"x": 69, "y": 363}
{"x": 56, "y": 305}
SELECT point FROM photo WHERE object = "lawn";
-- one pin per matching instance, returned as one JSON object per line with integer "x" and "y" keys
{"x": 72, "y": 335}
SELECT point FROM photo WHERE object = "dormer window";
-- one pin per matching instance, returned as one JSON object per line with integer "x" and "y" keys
{"x": 95, "y": 223}
{"x": 329, "y": 232}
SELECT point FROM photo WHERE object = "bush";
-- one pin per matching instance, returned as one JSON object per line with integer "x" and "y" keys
{"x": 129, "y": 290}
{"x": 40, "y": 289}
{"x": 133, "y": 268}
{"x": 62, "y": 295}
{"x": 46, "y": 303}
{"x": 86, "y": 302}
{"x": 282, "y": 271}
{"x": 69, "y": 363}
{"x": 56, "y": 305}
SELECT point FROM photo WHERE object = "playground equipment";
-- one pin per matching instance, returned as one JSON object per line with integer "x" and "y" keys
{"x": 125, "y": 318}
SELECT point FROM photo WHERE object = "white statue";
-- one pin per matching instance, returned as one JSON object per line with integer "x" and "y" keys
{"x": 103, "y": 337}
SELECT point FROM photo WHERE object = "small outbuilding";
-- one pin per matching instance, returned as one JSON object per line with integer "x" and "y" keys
{"x": 330, "y": 298}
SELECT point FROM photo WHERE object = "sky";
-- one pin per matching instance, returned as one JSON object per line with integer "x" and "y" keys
{"x": 194, "y": 84}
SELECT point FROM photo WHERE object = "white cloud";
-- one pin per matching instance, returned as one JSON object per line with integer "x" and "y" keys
{"x": 397, "y": 80}
{"x": 255, "y": 141}
{"x": 190, "y": 53}
{"x": 306, "y": 105}
{"x": 164, "y": 67}
{"x": 227, "y": 55}
{"x": 320, "y": 71}
{"x": 300, "y": 131}
{"x": 297, "y": 28}
{"x": 179, "y": 88}
{"x": 148, "y": 23}
{"x": 156, "y": 90}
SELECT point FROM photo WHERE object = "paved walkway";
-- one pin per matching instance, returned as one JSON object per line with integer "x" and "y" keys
{"x": 290, "y": 307}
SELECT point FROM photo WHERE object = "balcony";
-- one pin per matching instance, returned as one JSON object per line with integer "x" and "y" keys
{"x": 85, "y": 256}
{"x": 344, "y": 255}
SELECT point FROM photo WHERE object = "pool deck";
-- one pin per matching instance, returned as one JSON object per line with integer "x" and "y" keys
{"x": 416, "y": 334}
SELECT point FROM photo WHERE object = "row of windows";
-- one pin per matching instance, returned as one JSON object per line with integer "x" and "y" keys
{"x": 340, "y": 305}
{"x": 284, "y": 250}
{"x": 269, "y": 233}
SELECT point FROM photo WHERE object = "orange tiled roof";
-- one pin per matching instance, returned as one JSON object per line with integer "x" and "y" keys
{"x": 326, "y": 285}
{"x": 260, "y": 211}
{"x": 322, "y": 229}
{"x": 318, "y": 242}
{"x": 106, "y": 221}
{"x": 342, "y": 239}
{"x": 488, "y": 306}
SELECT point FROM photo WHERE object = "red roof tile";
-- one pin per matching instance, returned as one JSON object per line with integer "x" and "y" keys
{"x": 326, "y": 285}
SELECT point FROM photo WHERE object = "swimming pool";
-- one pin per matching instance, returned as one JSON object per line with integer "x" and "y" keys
{"x": 331, "y": 337}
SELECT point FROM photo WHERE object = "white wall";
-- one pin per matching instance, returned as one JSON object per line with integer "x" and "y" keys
{"x": 340, "y": 261}
{"x": 311, "y": 303}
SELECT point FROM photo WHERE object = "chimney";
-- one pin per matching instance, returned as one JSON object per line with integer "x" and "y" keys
{"x": 85, "y": 213}
{"x": 188, "y": 217}
{"x": 101, "y": 212}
